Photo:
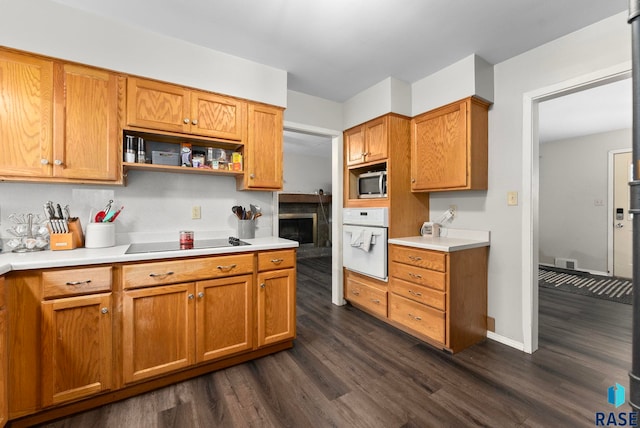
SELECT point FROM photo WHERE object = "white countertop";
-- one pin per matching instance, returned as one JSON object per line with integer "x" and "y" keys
{"x": 86, "y": 256}
{"x": 451, "y": 240}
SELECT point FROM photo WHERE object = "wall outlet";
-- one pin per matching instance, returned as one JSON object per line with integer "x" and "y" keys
{"x": 454, "y": 211}
{"x": 195, "y": 212}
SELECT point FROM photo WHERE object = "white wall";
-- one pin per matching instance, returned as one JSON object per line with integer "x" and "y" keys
{"x": 306, "y": 174}
{"x": 573, "y": 175}
{"x": 599, "y": 46}
{"x": 390, "y": 95}
{"x": 49, "y": 28}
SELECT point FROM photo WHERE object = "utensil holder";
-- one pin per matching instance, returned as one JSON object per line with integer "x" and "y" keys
{"x": 100, "y": 235}
{"x": 246, "y": 229}
{"x": 67, "y": 241}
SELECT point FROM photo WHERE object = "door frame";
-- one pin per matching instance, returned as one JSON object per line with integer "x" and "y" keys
{"x": 531, "y": 186}
{"x": 610, "y": 220}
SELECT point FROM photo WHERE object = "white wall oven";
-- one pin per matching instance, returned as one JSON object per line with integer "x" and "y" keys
{"x": 364, "y": 241}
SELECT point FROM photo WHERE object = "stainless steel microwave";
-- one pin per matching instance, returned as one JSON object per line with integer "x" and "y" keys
{"x": 372, "y": 185}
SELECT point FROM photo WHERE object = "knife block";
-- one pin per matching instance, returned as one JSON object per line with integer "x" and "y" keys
{"x": 67, "y": 241}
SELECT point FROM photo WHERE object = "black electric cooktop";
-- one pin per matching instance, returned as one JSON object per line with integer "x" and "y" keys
{"x": 154, "y": 247}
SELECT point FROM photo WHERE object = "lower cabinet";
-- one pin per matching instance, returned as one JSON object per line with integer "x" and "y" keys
{"x": 276, "y": 306}
{"x": 157, "y": 335}
{"x": 76, "y": 347}
{"x": 4, "y": 398}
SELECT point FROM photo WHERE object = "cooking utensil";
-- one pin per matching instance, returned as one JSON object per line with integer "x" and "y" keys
{"x": 237, "y": 210}
{"x": 117, "y": 213}
{"x": 102, "y": 214}
{"x": 257, "y": 211}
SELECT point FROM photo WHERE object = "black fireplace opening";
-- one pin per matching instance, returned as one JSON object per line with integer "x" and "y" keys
{"x": 297, "y": 227}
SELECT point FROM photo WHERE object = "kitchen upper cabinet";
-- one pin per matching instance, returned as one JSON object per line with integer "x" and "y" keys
{"x": 26, "y": 115}
{"x": 276, "y": 306}
{"x": 166, "y": 107}
{"x": 449, "y": 147}
{"x": 224, "y": 317}
{"x": 263, "y": 151}
{"x": 367, "y": 142}
{"x": 86, "y": 140}
{"x": 157, "y": 330}
{"x": 76, "y": 348}
{"x": 59, "y": 121}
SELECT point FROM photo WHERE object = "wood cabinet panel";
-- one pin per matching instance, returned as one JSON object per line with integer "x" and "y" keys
{"x": 376, "y": 139}
{"x": 26, "y": 103}
{"x": 218, "y": 116}
{"x": 86, "y": 141}
{"x": 420, "y": 318}
{"x": 69, "y": 282}
{"x": 449, "y": 147}
{"x": 418, "y": 293}
{"x": 424, "y": 277}
{"x": 224, "y": 315}
{"x": 359, "y": 292}
{"x": 158, "y": 273}
{"x": 271, "y": 260}
{"x": 276, "y": 306}
{"x": 4, "y": 369}
{"x": 157, "y": 105}
{"x": 157, "y": 330}
{"x": 354, "y": 146}
{"x": 263, "y": 151}
{"x": 76, "y": 348}
{"x": 433, "y": 260}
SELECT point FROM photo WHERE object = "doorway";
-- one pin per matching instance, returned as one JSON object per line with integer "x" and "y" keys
{"x": 620, "y": 220}
{"x": 530, "y": 180}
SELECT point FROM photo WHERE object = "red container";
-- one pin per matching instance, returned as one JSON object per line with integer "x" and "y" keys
{"x": 186, "y": 239}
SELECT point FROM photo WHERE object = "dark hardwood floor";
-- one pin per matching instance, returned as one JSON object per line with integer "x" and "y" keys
{"x": 348, "y": 369}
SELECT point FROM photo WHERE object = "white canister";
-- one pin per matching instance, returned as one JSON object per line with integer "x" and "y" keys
{"x": 100, "y": 235}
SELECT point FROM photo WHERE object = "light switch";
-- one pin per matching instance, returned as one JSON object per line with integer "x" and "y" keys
{"x": 195, "y": 212}
{"x": 512, "y": 198}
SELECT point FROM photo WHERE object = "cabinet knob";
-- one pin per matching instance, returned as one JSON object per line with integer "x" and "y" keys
{"x": 191, "y": 296}
{"x": 104, "y": 310}
{"x": 413, "y": 180}
{"x": 186, "y": 120}
{"x": 262, "y": 285}
{"x": 58, "y": 162}
{"x": 252, "y": 176}
{"x": 44, "y": 161}
{"x": 194, "y": 121}
{"x": 201, "y": 294}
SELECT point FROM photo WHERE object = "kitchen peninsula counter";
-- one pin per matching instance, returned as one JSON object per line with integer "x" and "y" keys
{"x": 90, "y": 256}
{"x": 451, "y": 240}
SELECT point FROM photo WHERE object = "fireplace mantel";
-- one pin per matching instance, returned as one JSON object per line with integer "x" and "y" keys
{"x": 303, "y": 198}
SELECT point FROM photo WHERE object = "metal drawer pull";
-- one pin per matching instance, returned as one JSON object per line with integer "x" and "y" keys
{"x": 415, "y": 294}
{"x": 414, "y": 275}
{"x": 104, "y": 310}
{"x": 376, "y": 301}
{"x": 357, "y": 293}
{"x": 227, "y": 268}
{"x": 277, "y": 261}
{"x": 153, "y": 275}
{"x": 79, "y": 282}
{"x": 415, "y": 258}
{"x": 415, "y": 318}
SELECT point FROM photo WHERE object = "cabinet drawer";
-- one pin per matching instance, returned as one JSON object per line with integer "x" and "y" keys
{"x": 367, "y": 296}
{"x": 70, "y": 282}
{"x": 272, "y": 260}
{"x": 158, "y": 273}
{"x": 423, "y": 319}
{"x": 418, "y": 293}
{"x": 428, "y": 278}
{"x": 433, "y": 260}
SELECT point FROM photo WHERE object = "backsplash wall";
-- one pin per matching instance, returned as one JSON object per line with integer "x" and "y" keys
{"x": 157, "y": 205}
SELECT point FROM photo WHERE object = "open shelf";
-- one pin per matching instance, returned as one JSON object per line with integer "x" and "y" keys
{"x": 181, "y": 169}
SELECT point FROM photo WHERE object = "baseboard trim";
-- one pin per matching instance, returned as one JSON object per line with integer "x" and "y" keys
{"x": 592, "y": 272}
{"x": 505, "y": 341}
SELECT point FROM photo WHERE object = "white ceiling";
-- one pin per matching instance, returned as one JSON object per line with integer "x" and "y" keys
{"x": 335, "y": 49}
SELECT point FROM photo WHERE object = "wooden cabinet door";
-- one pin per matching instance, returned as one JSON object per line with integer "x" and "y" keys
{"x": 263, "y": 151}
{"x": 76, "y": 348}
{"x": 224, "y": 317}
{"x": 354, "y": 146}
{"x": 156, "y": 105}
{"x": 157, "y": 330}
{"x": 86, "y": 138}
{"x": 376, "y": 141}
{"x": 439, "y": 149}
{"x": 26, "y": 99}
{"x": 276, "y": 306}
{"x": 217, "y": 116}
{"x": 4, "y": 369}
